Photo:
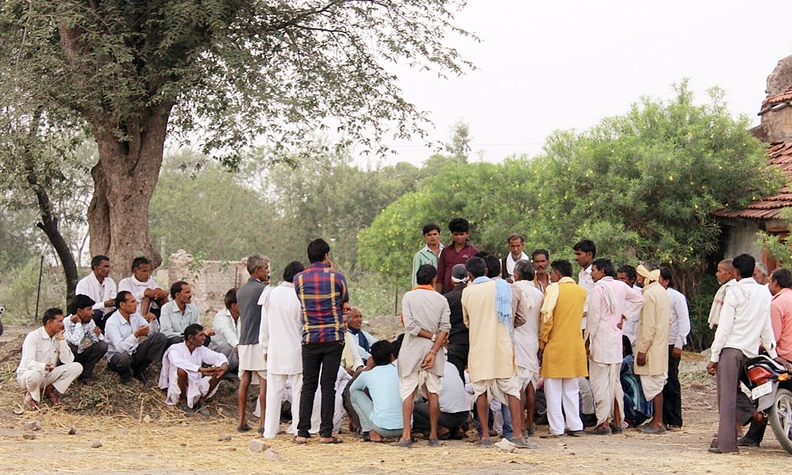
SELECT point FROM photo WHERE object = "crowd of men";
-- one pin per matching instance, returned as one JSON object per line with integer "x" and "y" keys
{"x": 484, "y": 338}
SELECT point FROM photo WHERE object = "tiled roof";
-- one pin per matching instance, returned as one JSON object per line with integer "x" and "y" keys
{"x": 770, "y": 207}
{"x": 778, "y": 101}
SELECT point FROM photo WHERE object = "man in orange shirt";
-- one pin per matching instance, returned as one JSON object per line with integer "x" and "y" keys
{"x": 781, "y": 318}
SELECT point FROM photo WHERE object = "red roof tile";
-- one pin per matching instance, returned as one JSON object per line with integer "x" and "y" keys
{"x": 785, "y": 96}
{"x": 770, "y": 207}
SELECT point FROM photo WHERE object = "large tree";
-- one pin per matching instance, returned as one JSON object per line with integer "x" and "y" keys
{"x": 221, "y": 73}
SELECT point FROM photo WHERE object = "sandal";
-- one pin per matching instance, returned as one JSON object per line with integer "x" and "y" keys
{"x": 296, "y": 440}
{"x": 407, "y": 443}
{"x": 243, "y": 428}
{"x": 333, "y": 440}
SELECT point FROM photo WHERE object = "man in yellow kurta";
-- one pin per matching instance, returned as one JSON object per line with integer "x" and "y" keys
{"x": 561, "y": 349}
{"x": 651, "y": 360}
{"x": 486, "y": 311}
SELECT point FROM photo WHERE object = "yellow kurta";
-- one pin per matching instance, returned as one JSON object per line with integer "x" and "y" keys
{"x": 564, "y": 352}
{"x": 653, "y": 330}
{"x": 491, "y": 355}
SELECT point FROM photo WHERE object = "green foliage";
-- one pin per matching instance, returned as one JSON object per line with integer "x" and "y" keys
{"x": 18, "y": 292}
{"x": 642, "y": 186}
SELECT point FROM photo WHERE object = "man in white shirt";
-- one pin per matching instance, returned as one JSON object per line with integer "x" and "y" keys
{"x": 42, "y": 350}
{"x": 744, "y": 322}
{"x": 281, "y": 336}
{"x": 84, "y": 337}
{"x": 226, "y": 327}
{"x": 516, "y": 254}
{"x": 677, "y": 338}
{"x": 100, "y": 287}
{"x": 361, "y": 337}
{"x": 629, "y": 276}
{"x": 585, "y": 252}
{"x": 180, "y": 312}
{"x": 145, "y": 289}
{"x": 191, "y": 372}
{"x": 610, "y": 299}
{"x": 526, "y": 341}
{"x": 133, "y": 342}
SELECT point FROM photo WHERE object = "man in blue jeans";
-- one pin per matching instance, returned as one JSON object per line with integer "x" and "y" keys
{"x": 323, "y": 298}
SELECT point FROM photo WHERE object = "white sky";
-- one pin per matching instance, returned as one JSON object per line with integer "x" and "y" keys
{"x": 566, "y": 64}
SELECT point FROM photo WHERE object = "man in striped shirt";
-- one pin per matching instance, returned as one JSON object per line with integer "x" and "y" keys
{"x": 323, "y": 298}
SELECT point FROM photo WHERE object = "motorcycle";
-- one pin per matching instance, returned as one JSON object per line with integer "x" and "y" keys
{"x": 771, "y": 392}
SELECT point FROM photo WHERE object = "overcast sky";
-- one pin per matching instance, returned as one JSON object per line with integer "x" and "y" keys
{"x": 567, "y": 64}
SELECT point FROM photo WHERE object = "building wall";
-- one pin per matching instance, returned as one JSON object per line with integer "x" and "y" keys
{"x": 210, "y": 280}
{"x": 777, "y": 124}
{"x": 740, "y": 237}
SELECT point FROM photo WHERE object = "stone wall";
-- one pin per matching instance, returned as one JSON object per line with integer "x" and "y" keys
{"x": 210, "y": 280}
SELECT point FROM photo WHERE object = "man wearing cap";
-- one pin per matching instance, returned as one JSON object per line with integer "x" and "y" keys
{"x": 458, "y": 343}
{"x": 651, "y": 344}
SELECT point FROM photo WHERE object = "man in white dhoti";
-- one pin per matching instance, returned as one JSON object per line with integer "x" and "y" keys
{"x": 42, "y": 350}
{"x": 281, "y": 336}
{"x": 608, "y": 303}
{"x": 526, "y": 340}
{"x": 188, "y": 381}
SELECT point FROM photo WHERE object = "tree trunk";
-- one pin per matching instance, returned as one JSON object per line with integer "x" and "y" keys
{"x": 124, "y": 180}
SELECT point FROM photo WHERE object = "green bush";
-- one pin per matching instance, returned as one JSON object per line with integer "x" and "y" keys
{"x": 18, "y": 292}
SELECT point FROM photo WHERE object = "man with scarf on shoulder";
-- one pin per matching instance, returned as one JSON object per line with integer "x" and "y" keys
{"x": 561, "y": 350}
{"x": 145, "y": 289}
{"x": 726, "y": 276}
{"x": 603, "y": 336}
{"x": 487, "y": 312}
{"x": 362, "y": 338}
{"x": 651, "y": 360}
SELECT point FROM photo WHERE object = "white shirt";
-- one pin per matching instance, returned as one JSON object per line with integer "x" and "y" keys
{"x": 453, "y": 397}
{"x": 120, "y": 333}
{"x": 510, "y": 263}
{"x": 680, "y": 319}
{"x": 226, "y": 329}
{"x": 137, "y": 288}
{"x": 526, "y": 336}
{"x": 630, "y": 326}
{"x": 91, "y": 287}
{"x": 80, "y": 334}
{"x": 281, "y": 329}
{"x": 587, "y": 282}
{"x": 743, "y": 324}
{"x": 39, "y": 349}
{"x": 602, "y": 331}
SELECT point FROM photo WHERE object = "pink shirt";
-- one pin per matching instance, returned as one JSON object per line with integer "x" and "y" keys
{"x": 602, "y": 330}
{"x": 781, "y": 318}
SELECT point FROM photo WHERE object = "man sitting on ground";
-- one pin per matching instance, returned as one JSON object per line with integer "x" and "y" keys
{"x": 226, "y": 327}
{"x": 179, "y": 313}
{"x": 188, "y": 381}
{"x": 455, "y": 405}
{"x": 379, "y": 411}
{"x": 83, "y": 336}
{"x": 362, "y": 338}
{"x": 42, "y": 350}
{"x": 100, "y": 287}
{"x": 133, "y": 341}
{"x": 143, "y": 287}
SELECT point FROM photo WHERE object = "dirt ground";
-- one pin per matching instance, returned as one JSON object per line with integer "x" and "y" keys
{"x": 142, "y": 435}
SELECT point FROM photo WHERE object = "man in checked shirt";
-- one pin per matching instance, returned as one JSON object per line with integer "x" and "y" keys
{"x": 323, "y": 297}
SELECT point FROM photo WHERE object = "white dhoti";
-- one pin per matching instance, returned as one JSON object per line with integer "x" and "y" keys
{"x": 606, "y": 385}
{"x": 276, "y": 385}
{"x": 499, "y": 389}
{"x": 527, "y": 376}
{"x": 563, "y": 393}
{"x": 251, "y": 358}
{"x": 60, "y": 378}
{"x": 197, "y": 387}
{"x": 652, "y": 385}
{"x": 421, "y": 383}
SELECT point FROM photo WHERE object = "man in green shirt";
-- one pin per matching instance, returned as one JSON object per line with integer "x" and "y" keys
{"x": 430, "y": 252}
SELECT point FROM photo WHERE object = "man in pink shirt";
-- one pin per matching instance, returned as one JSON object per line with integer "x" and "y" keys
{"x": 603, "y": 336}
{"x": 781, "y": 318}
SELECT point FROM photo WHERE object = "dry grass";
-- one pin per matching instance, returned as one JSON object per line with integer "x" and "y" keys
{"x": 140, "y": 434}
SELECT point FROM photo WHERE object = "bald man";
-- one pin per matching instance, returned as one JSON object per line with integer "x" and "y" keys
{"x": 726, "y": 278}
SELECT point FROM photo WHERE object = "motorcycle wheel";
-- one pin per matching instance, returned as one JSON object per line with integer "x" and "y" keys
{"x": 781, "y": 418}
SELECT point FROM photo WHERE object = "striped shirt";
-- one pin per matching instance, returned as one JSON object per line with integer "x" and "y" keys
{"x": 322, "y": 291}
